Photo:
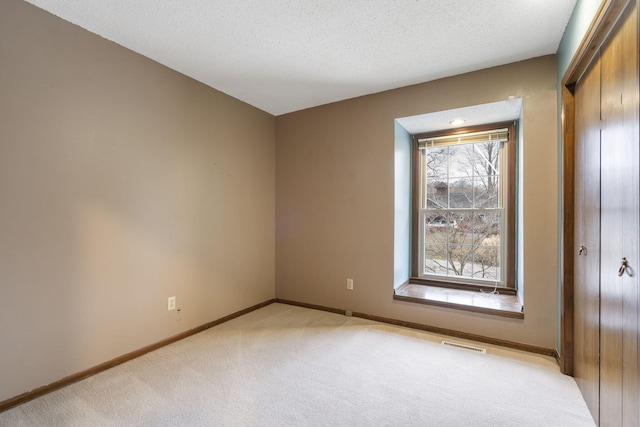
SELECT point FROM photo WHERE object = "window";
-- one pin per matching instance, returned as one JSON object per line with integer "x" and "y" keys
{"x": 464, "y": 207}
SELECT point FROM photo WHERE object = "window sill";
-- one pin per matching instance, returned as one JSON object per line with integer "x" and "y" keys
{"x": 499, "y": 305}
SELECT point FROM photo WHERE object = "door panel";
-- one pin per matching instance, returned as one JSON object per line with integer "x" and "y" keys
{"x": 619, "y": 226}
{"x": 611, "y": 243}
{"x": 587, "y": 234}
{"x": 629, "y": 163}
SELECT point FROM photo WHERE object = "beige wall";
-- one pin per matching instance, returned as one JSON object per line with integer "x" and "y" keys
{"x": 335, "y": 201}
{"x": 121, "y": 183}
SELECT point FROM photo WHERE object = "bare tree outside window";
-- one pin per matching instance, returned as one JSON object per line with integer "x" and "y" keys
{"x": 462, "y": 210}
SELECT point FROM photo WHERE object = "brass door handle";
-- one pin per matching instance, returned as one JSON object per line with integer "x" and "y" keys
{"x": 623, "y": 267}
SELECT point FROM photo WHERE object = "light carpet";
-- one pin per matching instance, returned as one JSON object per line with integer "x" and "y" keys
{"x": 284, "y": 365}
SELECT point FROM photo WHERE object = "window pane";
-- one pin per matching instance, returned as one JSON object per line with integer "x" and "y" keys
{"x": 435, "y": 230}
{"x": 486, "y": 192}
{"x": 461, "y": 193}
{"x": 461, "y": 161}
{"x": 460, "y": 260}
{"x": 487, "y": 158}
{"x": 486, "y": 223}
{"x": 435, "y": 259}
{"x": 487, "y": 245}
{"x": 456, "y": 227}
{"x": 486, "y": 263}
{"x": 463, "y": 176}
{"x": 463, "y": 244}
{"x": 437, "y": 195}
{"x": 436, "y": 162}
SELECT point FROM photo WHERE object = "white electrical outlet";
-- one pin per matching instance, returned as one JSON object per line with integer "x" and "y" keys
{"x": 350, "y": 284}
{"x": 171, "y": 303}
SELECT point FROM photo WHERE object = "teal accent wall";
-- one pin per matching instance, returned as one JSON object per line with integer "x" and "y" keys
{"x": 402, "y": 203}
{"x": 579, "y": 22}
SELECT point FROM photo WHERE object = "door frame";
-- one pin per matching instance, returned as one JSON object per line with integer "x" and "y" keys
{"x": 606, "y": 17}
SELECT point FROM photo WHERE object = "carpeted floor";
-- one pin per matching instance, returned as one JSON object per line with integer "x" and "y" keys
{"x": 289, "y": 366}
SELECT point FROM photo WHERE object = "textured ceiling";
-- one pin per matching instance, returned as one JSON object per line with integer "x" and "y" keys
{"x": 286, "y": 55}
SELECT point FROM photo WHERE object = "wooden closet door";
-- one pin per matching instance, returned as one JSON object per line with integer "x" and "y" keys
{"x": 630, "y": 163}
{"x": 619, "y": 226}
{"x": 587, "y": 238}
